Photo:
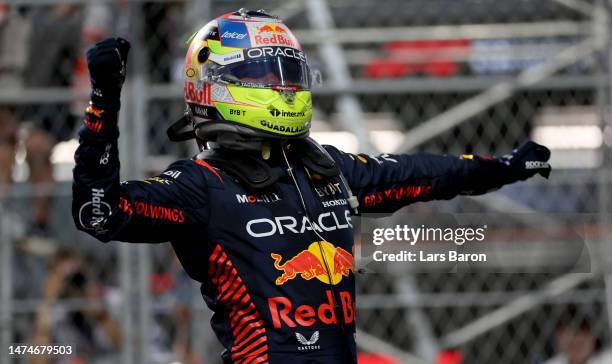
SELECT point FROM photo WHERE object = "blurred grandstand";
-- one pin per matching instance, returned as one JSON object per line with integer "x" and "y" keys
{"x": 444, "y": 76}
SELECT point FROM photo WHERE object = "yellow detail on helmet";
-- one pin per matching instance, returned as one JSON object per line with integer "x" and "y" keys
{"x": 266, "y": 110}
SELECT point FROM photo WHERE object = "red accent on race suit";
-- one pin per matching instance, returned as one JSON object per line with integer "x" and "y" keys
{"x": 94, "y": 125}
{"x": 150, "y": 211}
{"x": 250, "y": 340}
{"x": 209, "y": 167}
{"x": 125, "y": 206}
{"x": 396, "y": 194}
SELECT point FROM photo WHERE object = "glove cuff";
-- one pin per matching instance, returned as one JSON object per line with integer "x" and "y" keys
{"x": 487, "y": 174}
{"x": 100, "y": 122}
{"x": 106, "y": 100}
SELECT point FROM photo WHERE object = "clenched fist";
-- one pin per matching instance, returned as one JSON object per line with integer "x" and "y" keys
{"x": 107, "y": 61}
{"x": 524, "y": 162}
{"x": 527, "y": 160}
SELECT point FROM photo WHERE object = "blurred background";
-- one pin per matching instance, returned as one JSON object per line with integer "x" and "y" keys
{"x": 444, "y": 76}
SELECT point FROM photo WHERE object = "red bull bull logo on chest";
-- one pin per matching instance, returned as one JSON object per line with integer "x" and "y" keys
{"x": 314, "y": 263}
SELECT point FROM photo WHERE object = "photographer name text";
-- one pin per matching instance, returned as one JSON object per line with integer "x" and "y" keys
{"x": 422, "y": 256}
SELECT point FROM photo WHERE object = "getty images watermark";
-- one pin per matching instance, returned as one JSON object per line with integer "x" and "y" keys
{"x": 492, "y": 242}
{"x": 423, "y": 234}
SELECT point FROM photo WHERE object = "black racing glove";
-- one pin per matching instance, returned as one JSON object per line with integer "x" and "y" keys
{"x": 524, "y": 162}
{"x": 107, "y": 61}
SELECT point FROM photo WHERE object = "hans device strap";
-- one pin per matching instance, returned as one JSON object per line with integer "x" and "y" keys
{"x": 316, "y": 159}
{"x": 257, "y": 174}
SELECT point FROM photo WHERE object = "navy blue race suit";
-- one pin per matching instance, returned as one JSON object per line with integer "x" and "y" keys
{"x": 278, "y": 277}
{"x": 255, "y": 254}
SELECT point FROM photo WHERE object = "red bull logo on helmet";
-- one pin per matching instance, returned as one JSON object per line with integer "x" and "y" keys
{"x": 314, "y": 263}
{"x": 197, "y": 93}
{"x": 273, "y": 34}
{"x": 271, "y": 28}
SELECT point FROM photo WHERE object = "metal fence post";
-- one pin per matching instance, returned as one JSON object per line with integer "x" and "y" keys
{"x": 320, "y": 18}
{"x": 126, "y": 251}
{"x": 197, "y": 14}
{"x": 127, "y": 324}
{"x": 605, "y": 109}
{"x": 137, "y": 151}
{"x": 134, "y": 260}
{"x": 6, "y": 285}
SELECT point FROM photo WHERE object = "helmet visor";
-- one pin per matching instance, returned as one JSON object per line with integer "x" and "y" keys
{"x": 267, "y": 72}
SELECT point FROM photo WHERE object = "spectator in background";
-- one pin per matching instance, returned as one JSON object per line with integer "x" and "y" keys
{"x": 89, "y": 328}
{"x": 22, "y": 64}
{"x": 8, "y": 144}
{"x": 98, "y": 20}
{"x": 576, "y": 343}
{"x": 14, "y": 30}
{"x": 14, "y": 33}
{"x": 164, "y": 40}
{"x": 62, "y": 33}
{"x": 173, "y": 330}
{"x": 57, "y": 37}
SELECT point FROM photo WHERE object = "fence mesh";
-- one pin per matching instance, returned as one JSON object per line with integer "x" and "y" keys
{"x": 61, "y": 286}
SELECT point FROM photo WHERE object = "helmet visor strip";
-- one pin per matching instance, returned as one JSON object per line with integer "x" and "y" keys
{"x": 269, "y": 72}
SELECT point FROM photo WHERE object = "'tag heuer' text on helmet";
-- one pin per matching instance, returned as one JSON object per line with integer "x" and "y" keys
{"x": 246, "y": 73}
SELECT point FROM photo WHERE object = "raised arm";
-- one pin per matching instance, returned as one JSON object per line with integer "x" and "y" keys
{"x": 388, "y": 182}
{"x": 153, "y": 210}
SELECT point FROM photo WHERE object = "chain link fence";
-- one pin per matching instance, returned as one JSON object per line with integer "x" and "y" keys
{"x": 442, "y": 76}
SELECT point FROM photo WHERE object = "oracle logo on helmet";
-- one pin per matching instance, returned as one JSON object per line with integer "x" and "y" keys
{"x": 275, "y": 52}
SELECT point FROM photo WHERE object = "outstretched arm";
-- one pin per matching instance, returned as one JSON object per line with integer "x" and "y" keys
{"x": 153, "y": 210}
{"x": 388, "y": 182}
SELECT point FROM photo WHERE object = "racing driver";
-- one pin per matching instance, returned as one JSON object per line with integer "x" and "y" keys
{"x": 261, "y": 217}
